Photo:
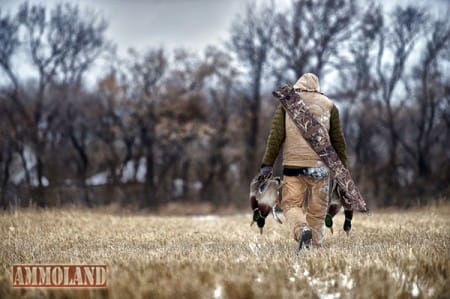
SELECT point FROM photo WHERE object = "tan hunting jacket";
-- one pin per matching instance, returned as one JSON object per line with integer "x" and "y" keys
{"x": 297, "y": 152}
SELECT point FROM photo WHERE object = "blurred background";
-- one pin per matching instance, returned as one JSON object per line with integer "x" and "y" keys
{"x": 144, "y": 103}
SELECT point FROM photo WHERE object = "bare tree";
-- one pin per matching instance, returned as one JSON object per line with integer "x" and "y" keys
{"x": 190, "y": 124}
{"x": 220, "y": 91}
{"x": 62, "y": 44}
{"x": 146, "y": 73}
{"x": 251, "y": 42}
{"x": 7, "y": 129}
{"x": 9, "y": 38}
{"x": 311, "y": 35}
{"x": 400, "y": 38}
{"x": 62, "y": 47}
{"x": 357, "y": 89}
{"x": 431, "y": 101}
{"x": 10, "y": 43}
{"x": 394, "y": 128}
{"x": 183, "y": 122}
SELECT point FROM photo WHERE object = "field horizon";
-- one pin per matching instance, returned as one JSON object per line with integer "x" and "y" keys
{"x": 390, "y": 253}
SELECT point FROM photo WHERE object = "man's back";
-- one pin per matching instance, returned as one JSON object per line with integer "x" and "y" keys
{"x": 297, "y": 151}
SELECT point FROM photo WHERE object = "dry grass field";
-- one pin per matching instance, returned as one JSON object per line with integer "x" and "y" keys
{"x": 389, "y": 254}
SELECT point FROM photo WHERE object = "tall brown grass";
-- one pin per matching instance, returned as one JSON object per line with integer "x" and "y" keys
{"x": 390, "y": 254}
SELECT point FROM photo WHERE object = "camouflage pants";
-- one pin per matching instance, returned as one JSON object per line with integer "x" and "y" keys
{"x": 305, "y": 202}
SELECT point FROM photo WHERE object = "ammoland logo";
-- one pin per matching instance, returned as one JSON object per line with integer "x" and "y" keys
{"x": 59, "y": 276}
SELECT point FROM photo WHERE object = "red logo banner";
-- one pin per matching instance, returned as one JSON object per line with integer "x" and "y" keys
{"x": 59, "y": 276}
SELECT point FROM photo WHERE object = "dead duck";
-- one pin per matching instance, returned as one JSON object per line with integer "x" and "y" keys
{"x": 264, "y": 198}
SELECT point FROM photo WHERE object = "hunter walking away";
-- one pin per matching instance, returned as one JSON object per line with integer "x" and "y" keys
{"x": 130, "y": 132}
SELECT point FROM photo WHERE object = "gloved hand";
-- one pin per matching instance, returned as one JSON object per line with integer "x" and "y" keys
{"x": 265, "y": 171}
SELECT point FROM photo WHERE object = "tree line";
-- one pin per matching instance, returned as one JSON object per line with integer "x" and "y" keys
{"x": 159, "y": 125}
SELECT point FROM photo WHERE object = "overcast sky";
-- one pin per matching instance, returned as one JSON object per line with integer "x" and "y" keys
{"x": 191, "y": 24}
{"x": 152, "y": 23}
{"x": 177, "y": 23}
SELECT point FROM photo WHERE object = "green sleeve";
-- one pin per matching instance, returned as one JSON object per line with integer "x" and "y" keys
{"x": 337, "y": 138}
{"x": 276, "y": 137}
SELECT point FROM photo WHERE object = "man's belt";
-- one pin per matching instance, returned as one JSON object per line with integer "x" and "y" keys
{"x": 296, "y": 171}
{"x": 316, "y": 173}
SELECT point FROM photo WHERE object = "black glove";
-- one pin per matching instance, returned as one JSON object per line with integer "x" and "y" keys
{"x": 266, "y": 171}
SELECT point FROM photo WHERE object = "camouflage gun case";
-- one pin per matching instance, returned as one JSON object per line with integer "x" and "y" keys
{"x": 318, "y": 139}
